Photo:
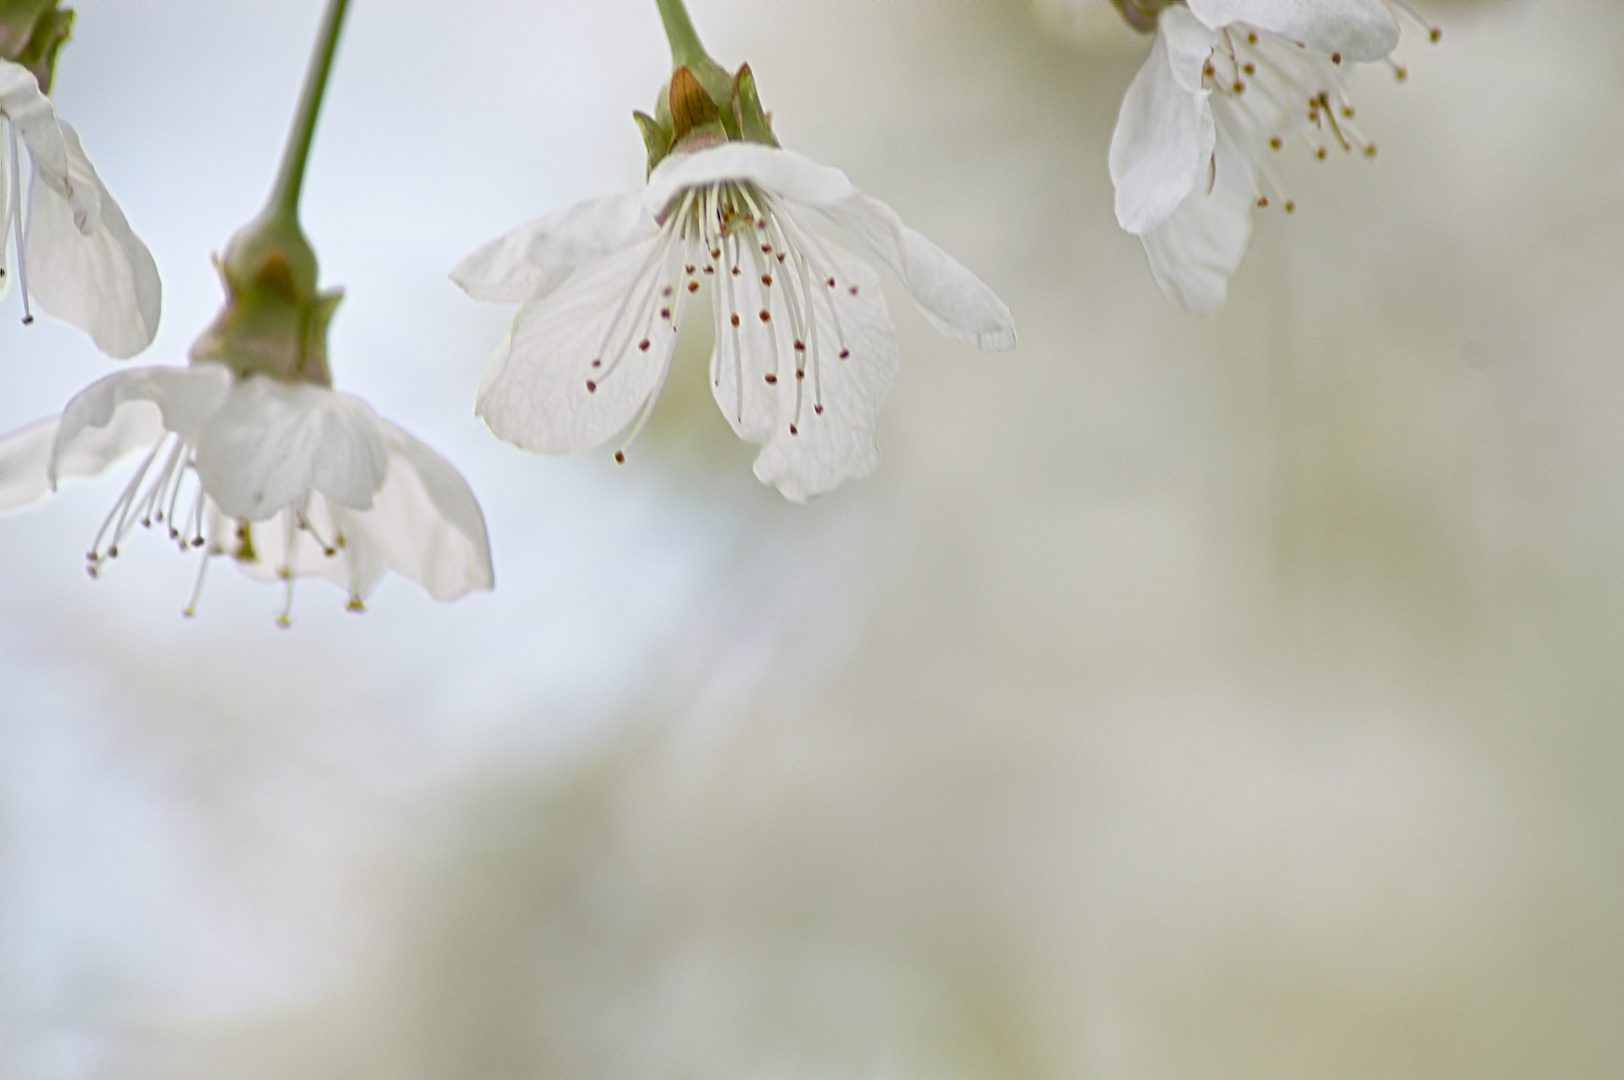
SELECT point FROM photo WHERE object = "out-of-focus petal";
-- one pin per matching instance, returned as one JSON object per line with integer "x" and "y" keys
{"x": 25, "y": 463}
{"x": 271, "y": 442}
{"x": 535, "y": 258}
{"x": 1193, "y": 253}
{"x": 1358, "y": 30}
{"x": 1162, "y": 146}
{"x": 131, "y": 409}
{"x": 91, "y": 273}
{"x": 546, "y": 393}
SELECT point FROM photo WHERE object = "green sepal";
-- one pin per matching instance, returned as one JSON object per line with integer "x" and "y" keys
{"x": 691, "y": 105}
{"x": 657, "y": 137}
{"x": 32, "y": 32}
{"x": 753, "y": 122}
{"x": 17, "y": 21}
{"x": 274, "y": 321}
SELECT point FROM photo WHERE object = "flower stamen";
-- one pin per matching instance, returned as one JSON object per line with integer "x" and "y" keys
{"x": 17, "y": 221}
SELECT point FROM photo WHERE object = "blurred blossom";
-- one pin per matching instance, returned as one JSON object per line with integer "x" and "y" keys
{"x": 75, "y": 253}
{"x": 1225, "y": 80}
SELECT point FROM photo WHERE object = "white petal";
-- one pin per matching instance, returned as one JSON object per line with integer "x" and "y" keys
{"x": 535, "y": 258}
{"x": 103, "y": 280}
{"x": 1358, "y": 29}
{"x": 536, "y": 396}
{"x": 836, "y": 444}
{"x": 953, "y": 300}
{"x": 1193, "y": 252}
{"x": 782, "y": 172}
{"x": 131, "y": 409}
{"x": 425, "y": 523}
{"x": 34, "y": 119}
{"x": 1164, "y": 135}
{"x": 25, "y": 461}
{"x": 271, "y": 442}
{"x": 747, "y": 348}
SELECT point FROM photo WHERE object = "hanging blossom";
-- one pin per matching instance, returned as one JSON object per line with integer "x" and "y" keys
{"x": 805, "y": 351}
{"x": 1225, "y": 81}
{"x": 75, "y": 254}
{"x": 250, "y": 453}
{"x": 286, "y": 478}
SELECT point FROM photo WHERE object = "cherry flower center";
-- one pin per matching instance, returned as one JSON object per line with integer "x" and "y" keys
{"x": 766, "y": 272}
{"x": 1274, "y": 89}
{"x": 165, "y": 491}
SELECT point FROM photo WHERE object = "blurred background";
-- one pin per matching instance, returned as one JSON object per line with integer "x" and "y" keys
{"x": 1215, "y": 698}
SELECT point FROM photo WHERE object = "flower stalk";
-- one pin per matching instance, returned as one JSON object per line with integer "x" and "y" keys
{"x": 274, "y": 321}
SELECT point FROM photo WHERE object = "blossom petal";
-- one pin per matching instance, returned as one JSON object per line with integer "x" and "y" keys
{"x": 782, "y": 172}
{"x": 425, "y": 523}
{"x": 952, "y": 299}
{"x": 546, "y": 393}
{"x": 25, "y": 462}
{"x": 1162, "y": 146}
{"x": 1359, "y": 30}
{"x": 537, "y": 257}
{"x": 821, "y": 429}
{"x": 131, "y": 409}
{"x": 271, "y": 442}
{"x": 103, "y": 280}
{"x": 1193, "y": 253}
{"x": 33, "y": 118}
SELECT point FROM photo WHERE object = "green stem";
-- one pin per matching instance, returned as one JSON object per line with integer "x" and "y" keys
{"x": 686, "y": 51}
{"x": 284, "y": 201}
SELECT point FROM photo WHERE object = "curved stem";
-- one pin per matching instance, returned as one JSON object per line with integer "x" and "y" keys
{"x": 284, "y": 199}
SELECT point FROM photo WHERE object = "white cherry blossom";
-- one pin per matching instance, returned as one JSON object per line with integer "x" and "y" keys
{"x": 75, "y": 253}
{"x": 287, "y": 478}
{"x": 1225, "y": 81}
{"x": 805, "y": 350}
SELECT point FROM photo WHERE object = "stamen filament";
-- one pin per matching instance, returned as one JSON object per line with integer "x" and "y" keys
{"x": 17, "y": 222}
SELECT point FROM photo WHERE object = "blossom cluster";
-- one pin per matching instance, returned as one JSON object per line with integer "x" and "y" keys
{"x": 251, "y": 454}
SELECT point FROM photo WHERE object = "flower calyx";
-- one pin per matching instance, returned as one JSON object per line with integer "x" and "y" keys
{"x": 1141, "y": 14}
{"x": 274, "y": 321}
{"x": 689, "y": 117}
{"x": 31, "y": 34}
